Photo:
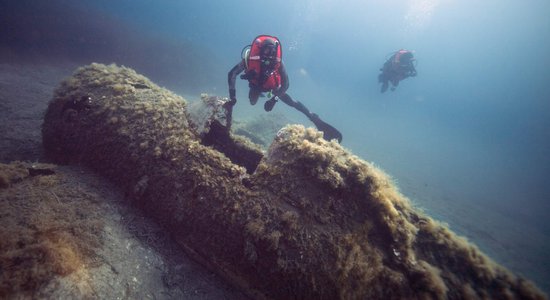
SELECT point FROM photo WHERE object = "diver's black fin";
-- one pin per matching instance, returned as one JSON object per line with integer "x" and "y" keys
{"x": 330, "y": 132}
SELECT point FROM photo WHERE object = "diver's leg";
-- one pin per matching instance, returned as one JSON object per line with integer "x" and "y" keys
{"x": 253, "y": 95}
{"x": 296, "y": 104}
{"x": 383, "y": 79}
{"x": 384, "y": 87}
{"x": 269, "y": 104}
{"x": 395, "y": 83}
{"x": 329, "y": 132}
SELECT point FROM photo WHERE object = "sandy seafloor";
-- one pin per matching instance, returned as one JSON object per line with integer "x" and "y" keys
{"x": 139, "y": 260}
{"x": 25, "y": 90}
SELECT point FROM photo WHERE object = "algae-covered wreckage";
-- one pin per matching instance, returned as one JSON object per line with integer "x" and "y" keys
{"x": 308, "y": 219}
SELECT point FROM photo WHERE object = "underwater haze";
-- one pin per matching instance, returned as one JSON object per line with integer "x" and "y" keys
{"x": 467, "y": 140}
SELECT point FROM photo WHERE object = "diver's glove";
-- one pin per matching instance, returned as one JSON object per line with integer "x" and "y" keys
{"x": 232, "y": 97}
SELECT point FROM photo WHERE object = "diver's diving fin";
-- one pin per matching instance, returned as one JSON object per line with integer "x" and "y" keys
{"x": 329, "y": 132}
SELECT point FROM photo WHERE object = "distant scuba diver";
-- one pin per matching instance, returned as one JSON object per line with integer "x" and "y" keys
{"x": 265, "y": 72}
{"x": 398, "y": 67}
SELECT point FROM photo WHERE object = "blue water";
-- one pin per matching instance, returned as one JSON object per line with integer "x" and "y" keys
{"x": 467, "y": 140}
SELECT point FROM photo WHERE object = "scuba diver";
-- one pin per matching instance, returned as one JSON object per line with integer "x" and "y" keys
{"x": 264, "y": 69}
{"x": 398, "y": 67}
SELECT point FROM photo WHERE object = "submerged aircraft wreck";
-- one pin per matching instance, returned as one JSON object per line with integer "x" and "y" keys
{"x": 304, "y": 219}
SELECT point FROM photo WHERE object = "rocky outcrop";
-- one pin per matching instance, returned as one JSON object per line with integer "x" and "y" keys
{"x": 310, "y": 221}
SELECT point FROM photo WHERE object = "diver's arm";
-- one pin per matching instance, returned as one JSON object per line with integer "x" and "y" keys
{"x": 231, "y": 78}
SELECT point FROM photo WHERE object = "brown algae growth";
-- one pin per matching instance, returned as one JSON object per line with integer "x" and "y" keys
{"x": 312, "y": 220}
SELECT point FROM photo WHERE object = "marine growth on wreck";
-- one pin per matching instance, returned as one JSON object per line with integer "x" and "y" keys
{"x": 308, "y": 219}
